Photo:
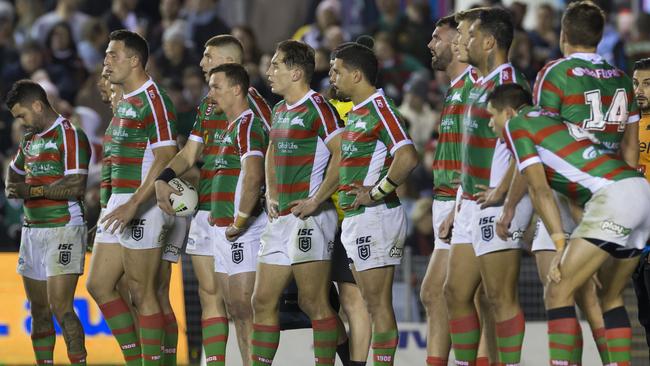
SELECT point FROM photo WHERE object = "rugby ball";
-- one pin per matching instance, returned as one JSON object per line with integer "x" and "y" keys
{"x": 187, "y": 202}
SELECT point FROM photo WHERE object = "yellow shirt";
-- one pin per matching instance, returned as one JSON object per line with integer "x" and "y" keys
{"x": 342, "y": 108}
{"x": 644, "y": 146}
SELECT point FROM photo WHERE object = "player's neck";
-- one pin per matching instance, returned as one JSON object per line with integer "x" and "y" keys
{"x": 236, "y": 110}
{"x": 570, "y": 50}
{"x": 492, "y": 61}
{"x": 49, "y": 117}
{"x": 362, "y": 93}
{"x": 455, "y": 69}
{"x": 295, "y": 93}
{"x": 137, "y": 79}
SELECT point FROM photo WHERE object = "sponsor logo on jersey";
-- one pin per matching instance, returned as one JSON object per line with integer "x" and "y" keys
{"x": 220, "y": 163}
{"x": 297, "y": 121}
{"x": 120, "y": 132}
{"x": 348, "y": 148}
{"x": 304, "y": 239}
{"x": 287, "y": 146}
{"x": 127, "y": 111}
{"x": 446, "y": 123}
{"x": 590, "y": 153}
{"x": 595, "y": 73}
{"x": 360, "y": 124}
{"x": 237, "y": 252}
{"x": 615, "y": 228}
{"x": 456, "y": 97}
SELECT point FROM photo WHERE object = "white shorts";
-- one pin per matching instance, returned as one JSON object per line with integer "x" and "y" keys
{"x": 542, "y": 240}
{"x": 486, "y": 239}
{"x": 201, "y": 237}
{"x": 48, "y": 252}
{"x": 175, "y": 239}
{"x": 101, "y": 235}
{"x": 462, "y": 232}
{"x": 618, "y": 214}
{"x": 147, "y": 229}
{"x": 289, "y": 240}
{"x": 240, "y": 256}
{"x": 375, "y": 238}
{"x": 439, "y": 212}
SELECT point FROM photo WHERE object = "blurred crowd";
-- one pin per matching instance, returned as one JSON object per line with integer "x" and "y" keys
{"x": 61, "y": 43}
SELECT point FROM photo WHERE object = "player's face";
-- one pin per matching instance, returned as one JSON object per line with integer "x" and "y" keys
{"x": 641, "y": 80}
{"x": 221, "y": 92}
{"x": 497, "y": 120}
{"x": 26, "y": 116}
{"x": 118, "y": 62}
{"x": 440, "y": 47}
{"x": 278, "y": 74}
{"x": 211, "y": 59}
{"x": 341, "y": 79}
{"x": 461, "y": 40}
{"x": 475, "y": 44}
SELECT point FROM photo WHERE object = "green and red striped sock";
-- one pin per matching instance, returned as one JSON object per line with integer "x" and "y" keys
{"x": 170, "y": 340}
{"x": 436, "y": 361}
{"x": 619, "y": 336}
{"x": 215, "y": 336}
{"x": 510, "y": 337}
{"x": 383, "y": 347}
{"x": 325, "y": 339}
{"x": 600, "y": 338}
{"x": 576, "y": 359}
{"x": 77, "y": 359}
{"x": 266, "y": 339}
{"x": 465, "y": 335}
{"x": 151, "y": 334}
{"x": 119, "y": 320}
{"x": 563, "y": 330}
{"x": 481, "y": 361}
{"x": 43, "y": 344}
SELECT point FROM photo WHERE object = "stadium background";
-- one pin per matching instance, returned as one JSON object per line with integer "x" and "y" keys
{"x": 60, "y": 44}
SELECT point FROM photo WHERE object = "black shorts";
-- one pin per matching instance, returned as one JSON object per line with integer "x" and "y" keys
{"x": 340, "y": 262}
{"x": 615, "y": 250}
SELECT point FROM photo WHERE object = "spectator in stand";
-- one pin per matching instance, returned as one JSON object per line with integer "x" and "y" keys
{"x": 421, "y": 238}
{"x": 27, "y": 11}
{"x": 327, "y": 15}
{"x": 194, "y": 87}
{"x": 185, "y": 112}
{"x": 65, "y": 11}
{"x": 521, "y": 56}
{"x": 62, "y": 51}
{"x": 8, "y": 54}
{"x": 416, "y": 109}
{"x": 245, "y": 35}
{"x": 320, "y": 78}
{"x": 122, "y": 16}
{"x": 394, "y": 67}
{"x": 639, "y": 47}
{"x": 545, "y": 37}
{"x": 93, "y": 44}
{"x": 170, "y": 11}
{"x": 417, "y": 32}
{"x": 518, "y": 11}
{"x": 174, "y": 55}
{"x": 334, "y": 36}
{"x": 204, "y": 22}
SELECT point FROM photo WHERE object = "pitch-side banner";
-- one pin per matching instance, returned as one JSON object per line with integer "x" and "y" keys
{"x": 15, "y": 321}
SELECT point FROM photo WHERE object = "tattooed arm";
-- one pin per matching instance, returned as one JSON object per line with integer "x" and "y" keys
{"x": 15, "y": 186}
{"x": 70, "y": 187}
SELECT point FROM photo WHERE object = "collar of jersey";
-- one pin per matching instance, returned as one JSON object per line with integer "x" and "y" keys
{"x": 57, "y": 122}
{"x": 139, "y": 90}
{"x": 301, "y": 101}
{"x": 462, "y": 75}
{"x": 241, "y": 116}
{"x": 378, "y": 93}
{"x": 591, "y": 57}
{"x": 494, "y": 72}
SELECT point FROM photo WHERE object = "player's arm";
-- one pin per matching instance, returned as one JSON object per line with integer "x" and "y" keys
{"x": 516, "y": 192}
{"x": 490, "y": 197}
{"x": 630, "y": 144}
{"x": 15, "y": 186}
{"x": 330, "y": 184}
{"x": 179, "y": 165}
{"x": 271, "y": 183}
{"x": 544, "y": 203}
{"x": 252, "y": 182}
{"x": 70, "y": 187}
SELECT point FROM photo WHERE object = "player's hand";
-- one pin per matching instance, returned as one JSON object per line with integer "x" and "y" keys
{"x": 163, "y": 192}
{"x": 233, "y": 232}
{"x": 444, "y": 231}
{"x": 120, "y": 217}
{"x": 488, "y": 197}
{"x": 304, "y": 208}
{"x": 272, "y": 209}
{"x": 17, "y": 190}
{"x": 362, "y": 198}
{"x": 554, "y": 273}
{"x": 503, "y": 223}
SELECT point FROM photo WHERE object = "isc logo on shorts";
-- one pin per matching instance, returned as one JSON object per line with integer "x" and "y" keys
{"x": 486, "y": 224}
{"x": 363, "y": 247}
{"x": 304, "y": 239}
{"x": 237, "y": 252}
{"x": 137, "y": 229}
{"x": 64, "y": 254}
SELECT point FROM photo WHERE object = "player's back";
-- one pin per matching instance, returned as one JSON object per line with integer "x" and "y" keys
{"x": 584, "y": 89}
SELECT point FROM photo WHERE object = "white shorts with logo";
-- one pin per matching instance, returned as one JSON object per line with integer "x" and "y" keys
{"x": 486, "y": 239}
{"x": 289, "y": 240}
{"x": 542, "y": 240}
{"x": 439, "y": 212}
{"x": 201, "y": 237}
{"x": 101, "y": 235}
{"x": 462, "y": 232}
{"x": 618, "y": 213}
{"x": 239, "y": 256}
{"x": 147, "y": 229}
{"x": 376, "y": 237}
{"x": 48, "y": 252}
{"x": 175, "y": 239}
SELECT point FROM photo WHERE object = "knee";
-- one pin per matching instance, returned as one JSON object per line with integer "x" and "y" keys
{"x": 308, "y": 304}
{"x": 264, "y": 304}
{"x": 454, "y": 294}
{"x": 240, "y": 308}
{"x": 95, "y": 288}
{"x": 59, "y": 305}
{"x": 556, "y": 294}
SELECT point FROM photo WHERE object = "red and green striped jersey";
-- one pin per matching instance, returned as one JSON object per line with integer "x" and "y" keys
{"x": 573, "y": 160}
{"x": 46, "y": 157}
{"x": 446, "y": 162}
{"x": 105, "y": 178}
{"x": 299, "y": 136}
{"x": 209, "y": 124}
{"x": 144, "y": 120}
{"x": 484, "y": 159}
{"x": 374, "y": 131}
{"x": 244, "y": 137}
{"x": 584, "y": 89}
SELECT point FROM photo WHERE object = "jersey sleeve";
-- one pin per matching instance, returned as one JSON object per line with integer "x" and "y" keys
{"x": 162, "y": 128}
{"x": 253, "y": 139}
{"x": 522, "y": 146}
{"x": 18, "y": 162}
{"x": 548, "y": 91}
{"x": 75, "y": 150}
{"x": 330, "y": 124}
{"x": 633, "y": 108}
{"x": 197, "y": 128}
{"x": 392, "y": 132}
{"x": 260, "y": 107}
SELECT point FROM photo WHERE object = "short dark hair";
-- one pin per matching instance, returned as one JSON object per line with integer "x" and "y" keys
{"x": 236, "y": 75}
{"x": 26, "y": 92}
{"x": 642, "y": 64}
{"x": 134, "y": 42}
{"x": 583, "y": 23}
{"x": 225, "y": 40}
{"x": 359, "y": 57}
{"x": 449, "y": 20}
{"x": 469, "y": 14}
{"x": 298, "y": 54}
{"x": 509, "y": 95}
{"x": 497, "y": 22}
